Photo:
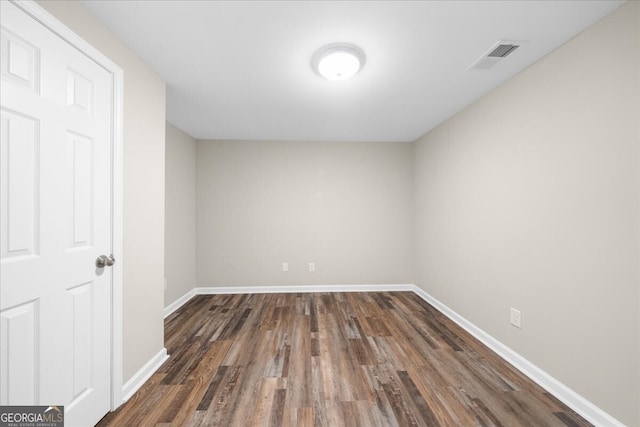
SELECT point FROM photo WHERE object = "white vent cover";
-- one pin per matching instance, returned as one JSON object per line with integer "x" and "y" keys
{"x": 497, "y": 53}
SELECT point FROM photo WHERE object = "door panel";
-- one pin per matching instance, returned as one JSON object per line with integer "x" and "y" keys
{"x": 79, "y": 190}
{"x": 19, "y": 203}
{"x": 22, "y": 64}
{"x": 56, "y": 195}
{"x": 18, "y": 367}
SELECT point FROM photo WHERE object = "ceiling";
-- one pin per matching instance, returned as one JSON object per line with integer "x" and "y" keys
{"x": 241, "y": 70}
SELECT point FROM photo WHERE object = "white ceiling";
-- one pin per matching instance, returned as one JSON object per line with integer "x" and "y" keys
{"x": 241, "y": 69}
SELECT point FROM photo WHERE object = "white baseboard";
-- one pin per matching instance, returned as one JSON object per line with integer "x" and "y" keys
{"x": 168, "y": 310}
{"x": 582, "y": 406}
{"x": 143, "y": 374}
{"x": 301, "y": 289}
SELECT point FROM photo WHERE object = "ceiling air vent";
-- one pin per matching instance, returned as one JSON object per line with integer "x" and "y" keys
{"x": 497, "y": 53}
{"x": 502, "y": 50}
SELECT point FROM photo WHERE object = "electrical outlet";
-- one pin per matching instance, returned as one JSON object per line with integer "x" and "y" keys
{"x": 285, "y": 266}
{"x": 516, "y": 318}
{"x": 312, "y": 267}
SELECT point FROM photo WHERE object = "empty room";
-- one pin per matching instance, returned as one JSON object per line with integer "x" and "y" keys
{"x": 320, "y": 213}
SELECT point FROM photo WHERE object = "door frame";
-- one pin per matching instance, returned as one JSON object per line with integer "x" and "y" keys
{"x": 34, "y": 10}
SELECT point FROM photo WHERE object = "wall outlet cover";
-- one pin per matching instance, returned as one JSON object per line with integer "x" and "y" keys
{"x": 516, "y": 318}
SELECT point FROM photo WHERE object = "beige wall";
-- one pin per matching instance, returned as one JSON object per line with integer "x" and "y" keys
{"x": 530, "y": 198}
{"x": 180, "y": 214}
{"x": 346, "y": 206}
{"x": 144, "y": 127}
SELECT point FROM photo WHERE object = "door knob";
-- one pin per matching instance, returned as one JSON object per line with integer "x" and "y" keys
{"x": 105, "y": 261}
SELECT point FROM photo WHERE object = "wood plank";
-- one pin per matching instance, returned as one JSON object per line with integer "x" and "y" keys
{"x": 277, "y": 408}
{"x": 331, "y": 359}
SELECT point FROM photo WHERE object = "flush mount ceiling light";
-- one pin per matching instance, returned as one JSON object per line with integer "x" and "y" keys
{"x": 338, "y": 61}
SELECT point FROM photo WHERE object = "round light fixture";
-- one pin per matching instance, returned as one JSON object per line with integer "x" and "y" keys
{"x": 338, "y": 61}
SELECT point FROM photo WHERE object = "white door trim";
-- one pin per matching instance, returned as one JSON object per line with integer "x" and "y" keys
{"x": 51, "y": 22}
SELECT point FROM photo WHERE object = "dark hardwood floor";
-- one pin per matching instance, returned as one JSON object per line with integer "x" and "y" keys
{"x": 353, "y": 359}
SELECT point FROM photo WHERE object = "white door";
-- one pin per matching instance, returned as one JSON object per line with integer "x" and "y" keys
{"x": 55, "y": 304}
